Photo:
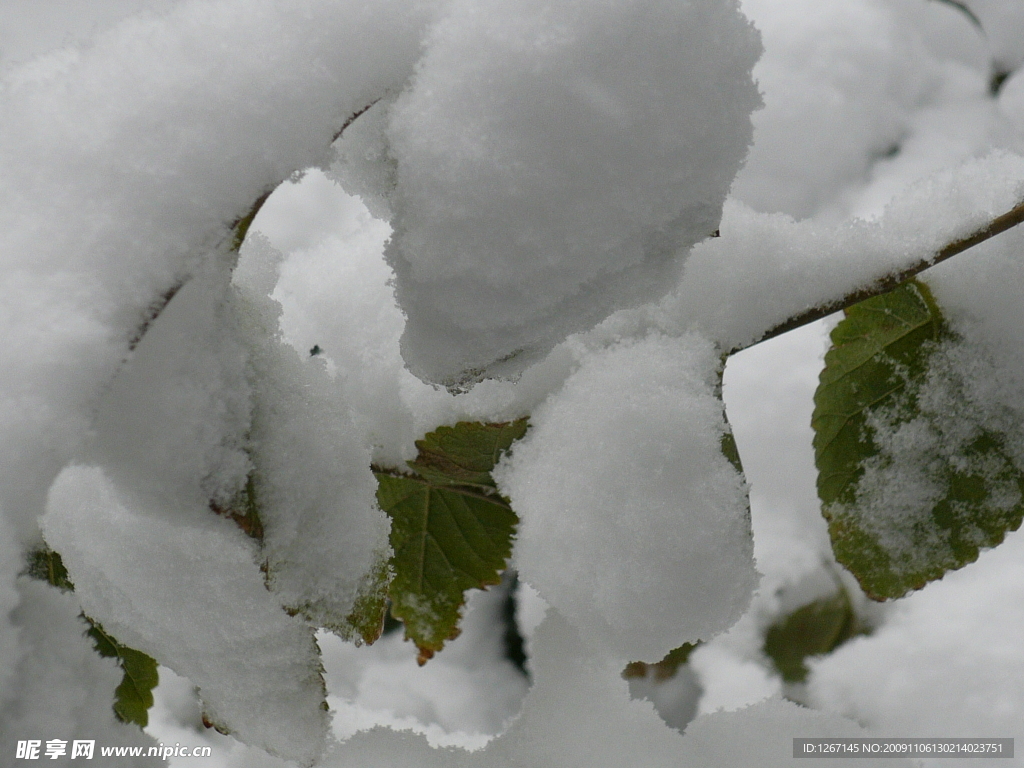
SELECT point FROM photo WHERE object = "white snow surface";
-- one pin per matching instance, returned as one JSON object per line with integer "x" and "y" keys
{"x": 62, "y": 686}
{"x": 117, "y": 179}
{"x": 555, "y": 160}
{"x": 125, "y": 158}
{"x": 578, "y": 714}
{"x": 766, "y": 268}
{"x": 634, "y": 524}
{"x": 311, "y": 481}
{"x": 176, "y": 591}
{"x": 946, "y": 661}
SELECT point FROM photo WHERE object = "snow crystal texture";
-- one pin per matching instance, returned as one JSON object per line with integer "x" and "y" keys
{"x": 634, "y": 523}
{"x": 555, "y": 161}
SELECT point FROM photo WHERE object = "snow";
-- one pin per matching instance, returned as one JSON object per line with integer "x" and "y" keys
{"x": 62, "y": 687}
{"x": 323, "y": 531}
{"x": 124, "y": 160}
{"x": 634, "y": 524}
{"x": 802, "y": 264}
{"x": 463, "y": 697}
{"x": 762, "y": 735}
{"x": 575, "y": 714}
{"x": 89, "y": 243}
{"x": 554, "y": 163}
{"x": 176, "y": 591}
{"x": 947, "y": 661}
{"x": 849, "y": 69}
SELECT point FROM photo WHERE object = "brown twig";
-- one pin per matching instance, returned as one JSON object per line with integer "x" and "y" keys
{"x": 239, "y": 229}
{"x": 158, "y": 305}
{"x": 997, "y": 226}
{"x": 352, "y": 119}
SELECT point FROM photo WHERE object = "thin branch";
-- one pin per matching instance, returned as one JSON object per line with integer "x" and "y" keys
{"x": 239, "y": 229}
{"x": 995, "y": 227}
{"x": 153, "y": 312}
{"x": 352, "y": 119}
{"x": 966, "y": 11}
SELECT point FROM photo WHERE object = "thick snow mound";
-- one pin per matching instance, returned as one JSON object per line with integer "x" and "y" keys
{"x": 555, "y": 160}
{"x": 634, "y": 523}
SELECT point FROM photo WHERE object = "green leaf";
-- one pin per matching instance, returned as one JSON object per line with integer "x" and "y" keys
{"x": 812, "y": 630}
{"x": 365, "y": 623}
{"x": 887, "y": 355}
{"x": 450, "y": 529}
{"x": 465, "y": 454}
{"x": 46, "y": 565}
{"x": 134, "y": 696}
{"x": 664, "y": 669}
{"x": 731, "y": 451}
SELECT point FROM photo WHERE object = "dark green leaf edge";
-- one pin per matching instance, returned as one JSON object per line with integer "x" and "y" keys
{"x": 46, "y": 565}
{"x": 134, "y": 695}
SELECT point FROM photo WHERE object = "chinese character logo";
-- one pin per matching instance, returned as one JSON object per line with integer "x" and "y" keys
{"x": 28, "y": 750}
{"x": 82, "y": 749}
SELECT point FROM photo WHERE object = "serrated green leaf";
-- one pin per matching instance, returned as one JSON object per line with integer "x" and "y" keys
{"x": 450, "y": 529}
{"x": 134, "y": 696}
{"x": 812, "y": 630}
{"x": 46, "y": 565}
{"x": 883, "y": 354}
{"x": 465, "y": 454}
{"x": 876, "y": 350}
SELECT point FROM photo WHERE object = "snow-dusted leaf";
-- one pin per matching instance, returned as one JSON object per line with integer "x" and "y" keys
{"x": 366, "y": 621}
{"x": 911, "y": 484}
{"x": 811, "y": 630}
{"x": 134, "y": 696}
{"x": 450, "y": 529}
